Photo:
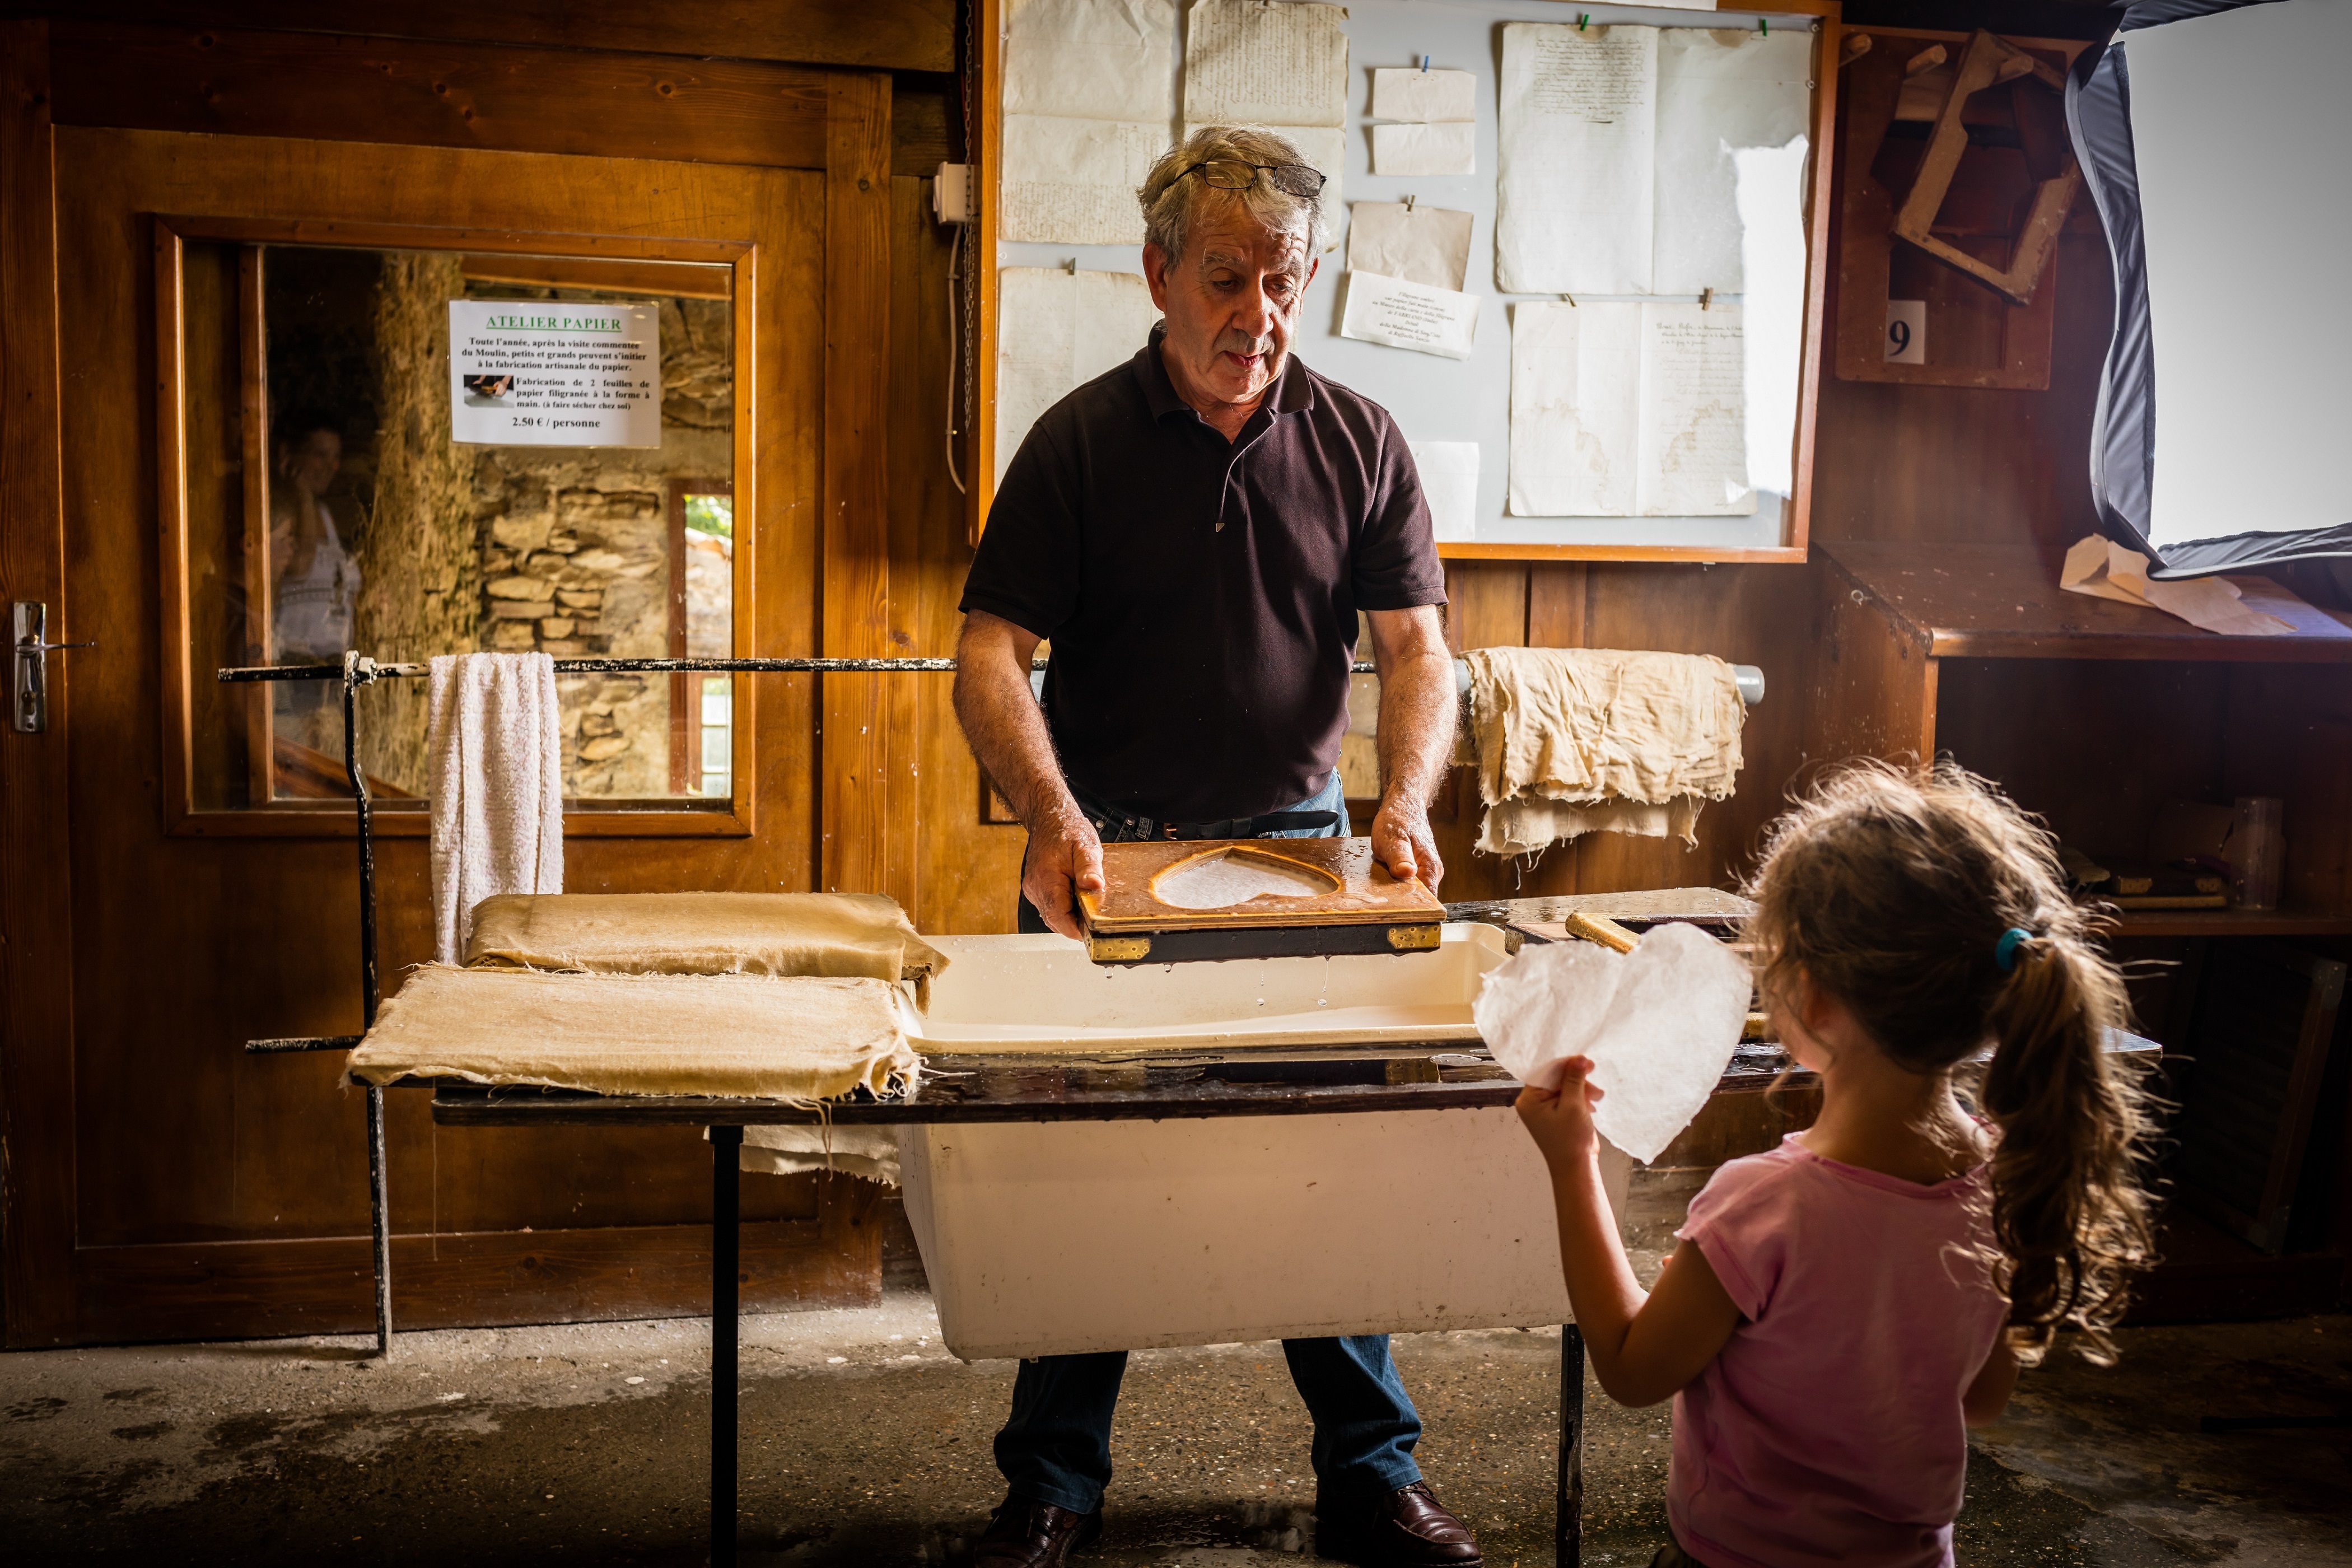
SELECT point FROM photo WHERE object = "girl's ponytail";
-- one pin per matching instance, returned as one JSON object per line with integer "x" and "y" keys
{"x": 2069, "y": 1218}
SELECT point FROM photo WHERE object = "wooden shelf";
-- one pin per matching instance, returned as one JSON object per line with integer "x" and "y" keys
{"x": 2234, "y": 922}
{"x": 2002, "y": 601}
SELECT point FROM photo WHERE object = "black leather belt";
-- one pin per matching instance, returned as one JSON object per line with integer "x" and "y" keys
{"x": 1259, "y": 826}
{"x": 1262, "y": 826}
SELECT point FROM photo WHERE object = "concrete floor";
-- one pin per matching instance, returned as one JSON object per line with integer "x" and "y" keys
{"x": 867, "y": 1444}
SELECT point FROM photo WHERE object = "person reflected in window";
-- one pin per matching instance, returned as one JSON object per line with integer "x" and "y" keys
{"x": 314, "y": 582}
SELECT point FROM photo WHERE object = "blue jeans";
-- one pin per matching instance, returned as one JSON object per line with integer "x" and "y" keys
{"x": 1055, "y": 1448}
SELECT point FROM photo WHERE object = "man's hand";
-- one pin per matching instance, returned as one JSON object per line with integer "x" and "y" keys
{"x": 1402, "y": 841}
{"x": 1560, "y": 1121}
{"x": 1065, "y": 855}
{"x": 1001, "y": 719}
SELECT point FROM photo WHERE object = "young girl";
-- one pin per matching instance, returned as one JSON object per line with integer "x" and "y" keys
{"x": 1842, "y": 1308}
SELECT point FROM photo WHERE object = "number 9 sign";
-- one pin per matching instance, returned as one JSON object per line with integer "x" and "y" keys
{"x": 1906, "y": 332}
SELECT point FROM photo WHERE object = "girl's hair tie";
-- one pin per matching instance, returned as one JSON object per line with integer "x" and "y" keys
{"x": 2004, "y": 952}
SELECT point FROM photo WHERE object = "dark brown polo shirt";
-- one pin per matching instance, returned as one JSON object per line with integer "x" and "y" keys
{"x": 1201, "y": 594}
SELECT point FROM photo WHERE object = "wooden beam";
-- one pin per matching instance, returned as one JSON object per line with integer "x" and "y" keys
{"x": 856, "y": 814}
{"x": 325, "y": 86}
{"x": 870, "y": 35}
{"x": 38, "y": 1192}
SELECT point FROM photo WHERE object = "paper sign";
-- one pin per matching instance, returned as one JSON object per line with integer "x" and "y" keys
{"x": 553, "y": 372}
{"x": 1402, "y": 315}
{"x": 1906, "y": 332}
{"x": 1426, "y": 96}
{"x": 1429, "y": 246}
{"x": 1425, "y": 150}
{"x": 1449, "y": 482}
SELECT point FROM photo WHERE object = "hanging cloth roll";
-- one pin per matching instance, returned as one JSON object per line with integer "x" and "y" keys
{"x": 495, "y": 754}
{"x": 1576, "y": 740}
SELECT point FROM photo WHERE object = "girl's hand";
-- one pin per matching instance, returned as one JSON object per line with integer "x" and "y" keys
{"x": 1561, "y": 1123}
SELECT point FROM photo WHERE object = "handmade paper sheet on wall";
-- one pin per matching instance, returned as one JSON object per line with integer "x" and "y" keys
{"x": 1618, "y": 148}
{"x": 1628, "y": 410}
{"x": 1087, "y": 106}
{"x": 1281, "y": 66}
{"x": 1058, "y": 329}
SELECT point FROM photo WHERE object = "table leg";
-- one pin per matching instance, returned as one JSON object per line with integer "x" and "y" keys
{"x": 726, "y": 1258}
{"x": 379, "y": 1223}
{"x": 1568, "y": 1503}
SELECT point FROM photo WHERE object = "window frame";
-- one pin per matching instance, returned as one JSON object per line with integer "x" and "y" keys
{"x": 406, "y": 818}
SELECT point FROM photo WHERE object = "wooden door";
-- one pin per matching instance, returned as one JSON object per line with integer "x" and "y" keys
{"x": 172, "y": 1186}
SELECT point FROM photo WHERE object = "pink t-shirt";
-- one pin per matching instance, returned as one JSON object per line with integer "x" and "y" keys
{"x": 1828, "y": 1429}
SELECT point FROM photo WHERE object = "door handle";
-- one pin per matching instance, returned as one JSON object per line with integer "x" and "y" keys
{"x": 29, "y": 706}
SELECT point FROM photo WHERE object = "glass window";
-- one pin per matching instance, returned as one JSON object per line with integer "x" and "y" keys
{"x": 362, "y": 476}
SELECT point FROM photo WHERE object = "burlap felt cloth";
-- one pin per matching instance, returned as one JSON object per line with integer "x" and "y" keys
{"x": 1575, "y": 740}
{"x": 751, "y": 1037}
{"x": 704, "y": 933}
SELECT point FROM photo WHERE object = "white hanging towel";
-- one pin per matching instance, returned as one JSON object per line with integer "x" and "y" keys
{"x": 496, "y": 750}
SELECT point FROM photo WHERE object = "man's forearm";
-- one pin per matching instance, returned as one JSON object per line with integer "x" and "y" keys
{"x": 1416, "y": 734}
{"x": 1007, "y": 732}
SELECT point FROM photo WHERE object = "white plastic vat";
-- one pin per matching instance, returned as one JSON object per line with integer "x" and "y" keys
{"x": 1051, "y": 1238}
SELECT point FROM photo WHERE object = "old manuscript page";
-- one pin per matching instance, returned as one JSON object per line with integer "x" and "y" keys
{"x": 1575, "y": 409}
{"x": 1577, "y": 145}
{"x": 1429, "y": 246}
{"x": 1087, "y": 106}
{"x": 1056, "y": 331}
{"x": 1628, "y": 410}
{"x": 1281, "y": 66}
{"x": 1694, "y": 447}
{"x": 1720, "y": 91}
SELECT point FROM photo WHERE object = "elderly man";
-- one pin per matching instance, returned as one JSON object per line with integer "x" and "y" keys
{"x": 1196, "y": 531}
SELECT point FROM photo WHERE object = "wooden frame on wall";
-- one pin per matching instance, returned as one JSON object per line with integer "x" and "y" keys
{"x": 1819, "y": 199}
{"x": 181, "y": 672}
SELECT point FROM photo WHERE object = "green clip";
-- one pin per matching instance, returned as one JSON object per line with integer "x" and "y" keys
{"x": 1587, "y": 16}
{"x": 1764, "y": 26}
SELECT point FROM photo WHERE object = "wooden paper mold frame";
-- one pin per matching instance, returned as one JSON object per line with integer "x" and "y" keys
{"x": 1364, "y": 909}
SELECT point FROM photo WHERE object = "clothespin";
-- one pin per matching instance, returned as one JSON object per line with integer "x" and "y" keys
{"x": 1424, "y": 65}
{"x": 1705, "y": 298}
{"x": 1764, "y": 26}
{"x": 1570, "y": 299}
{"x": 1407, "y": 204}
{"x": 1581, "y": 20}
{"x": 1070, "y": 265}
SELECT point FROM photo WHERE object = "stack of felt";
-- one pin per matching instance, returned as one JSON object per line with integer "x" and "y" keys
{"x": 739, "y": 1036}
{"x": 1577, "y": 741}
{"x": 836, "y": 934}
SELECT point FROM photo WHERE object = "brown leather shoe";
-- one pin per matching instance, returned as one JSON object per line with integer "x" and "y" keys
{"x": 1408, "y": 1528}
{"x": 1024, "y": 1534}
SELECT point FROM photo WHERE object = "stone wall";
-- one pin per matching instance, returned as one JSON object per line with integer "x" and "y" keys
{"x": 420, "y": 574}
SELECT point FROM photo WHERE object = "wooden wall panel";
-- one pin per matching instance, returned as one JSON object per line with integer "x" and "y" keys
{"x": 870, "y": 35}
{"x": 969, "y": 871}
{"x": 857, "y": 819}
{"x": 242, "y": 83}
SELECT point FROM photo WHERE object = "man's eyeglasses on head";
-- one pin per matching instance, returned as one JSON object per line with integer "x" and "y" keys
{"x": 1232, "y": 175}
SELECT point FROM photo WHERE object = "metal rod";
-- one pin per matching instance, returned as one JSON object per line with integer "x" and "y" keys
{"x": 302, "y": 1043}
{"x": 726, "y": 1324}
{"x": 379, "y": 1176}
{"x": 1747, "y": 677}
{"x": 1568, "y": 1502}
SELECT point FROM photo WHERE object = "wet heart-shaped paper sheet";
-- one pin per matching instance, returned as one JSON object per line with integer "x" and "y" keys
{"x": 1659, "y": 1023}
